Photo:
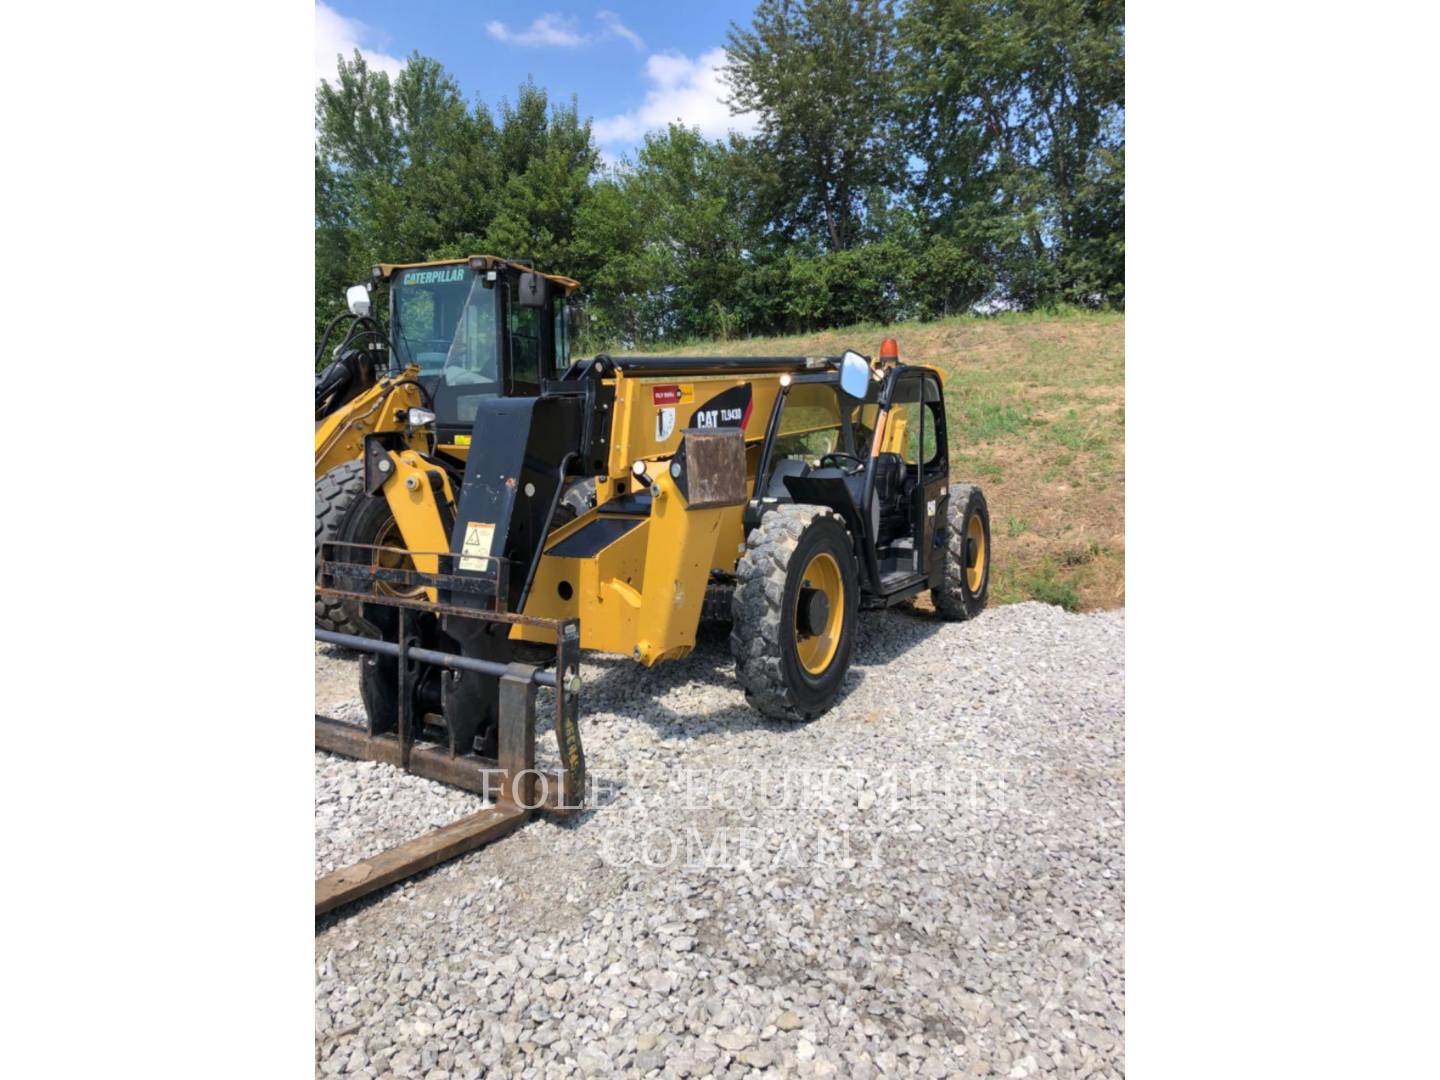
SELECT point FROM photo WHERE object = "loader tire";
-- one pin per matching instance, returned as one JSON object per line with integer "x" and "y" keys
{"x": 370, "y": 522}
{"x": 967, "y": 556}
{"x": 794, "y": 611}
{"x": 334, "y": 492}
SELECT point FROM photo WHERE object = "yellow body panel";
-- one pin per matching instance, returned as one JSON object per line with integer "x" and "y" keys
{"x": 608, "y": 587}
{"x": 641, "y": 595}
{"x": 896, "y": 428}
{"x": 639, "y": 411}
{"x": 417, "y": 513}
{"x": 340, "y": 437}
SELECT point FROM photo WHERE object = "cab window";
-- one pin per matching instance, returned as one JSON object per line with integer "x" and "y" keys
{"x": 523, "y": 327}
{"x": 562, "y": 334}
{"x": 916, "y": 406}
{"x": 809, "y": 422}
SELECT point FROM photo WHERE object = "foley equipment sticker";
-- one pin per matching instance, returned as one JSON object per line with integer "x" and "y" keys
{"x": 673, "y": 394}
{"x": 479, "y": 535}
{"x": 664, "y": 423}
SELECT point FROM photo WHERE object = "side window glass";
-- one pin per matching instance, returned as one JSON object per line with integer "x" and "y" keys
{"x": 916, "y": 434}
{"x": 934, "y": 420}
{"x": 915, "y": 431}
{"x": 524, "y": 331}
{"x": 562, "y": 336}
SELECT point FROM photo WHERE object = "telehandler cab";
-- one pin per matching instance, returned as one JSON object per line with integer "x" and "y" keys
{"x": 459, "y": 330}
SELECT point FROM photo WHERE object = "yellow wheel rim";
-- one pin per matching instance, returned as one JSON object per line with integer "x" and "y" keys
{"x": 975, "y": 536}
{"x": 392, "y": 560}
{"x": 817, "y": 648}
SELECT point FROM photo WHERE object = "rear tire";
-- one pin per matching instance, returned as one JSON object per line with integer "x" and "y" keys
{"x": 334, "y": 492}
{"x": 967, "y": 556}
{"x": 794, "y": 610}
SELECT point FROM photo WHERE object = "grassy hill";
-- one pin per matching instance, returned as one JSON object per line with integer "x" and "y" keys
{"x": 1036, "y": 408}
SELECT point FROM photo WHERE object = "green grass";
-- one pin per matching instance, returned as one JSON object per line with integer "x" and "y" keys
{"x": 976, "y": 420}
{"x": 1048, "y": 587}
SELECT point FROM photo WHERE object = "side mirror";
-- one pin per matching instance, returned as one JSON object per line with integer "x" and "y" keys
{"x": 854, "y": 374}
{"x": 357, "y": 299}
{"x": 532, "y": 290}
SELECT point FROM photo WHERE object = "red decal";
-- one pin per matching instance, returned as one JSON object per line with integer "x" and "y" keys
{"x": 665, "y": 395}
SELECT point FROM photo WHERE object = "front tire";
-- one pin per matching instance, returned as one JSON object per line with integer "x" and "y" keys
{"x": 794, "y": 610}
{"x": 967, "y": 556}
{"x": 334, "y": 492}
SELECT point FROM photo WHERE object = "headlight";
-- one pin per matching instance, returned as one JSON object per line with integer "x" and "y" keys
{"x": 420, "y": 418}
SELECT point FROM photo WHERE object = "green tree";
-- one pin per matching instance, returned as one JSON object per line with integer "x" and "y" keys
{"x": 903, "y": 168}
{"x": 818, "y": 73}
{"x": 544, "y": 158}
{"x": 353, "y": 119}
{"x": 405, "y": 171}
{"x": 1015, "y": 111}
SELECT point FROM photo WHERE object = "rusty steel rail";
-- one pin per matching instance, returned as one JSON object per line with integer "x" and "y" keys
{"x": 510, "y": 779}
{"x": 413, "y": 856}
{"x": 540, "y": 677}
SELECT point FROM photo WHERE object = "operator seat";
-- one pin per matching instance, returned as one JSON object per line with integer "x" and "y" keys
{"x": 892, "y": 504}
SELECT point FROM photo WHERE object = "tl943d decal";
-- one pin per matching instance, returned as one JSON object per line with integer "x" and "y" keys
{"x": 730, "y": 408}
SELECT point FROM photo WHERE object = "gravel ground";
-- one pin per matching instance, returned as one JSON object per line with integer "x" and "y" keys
{"x": 927, "y": 881}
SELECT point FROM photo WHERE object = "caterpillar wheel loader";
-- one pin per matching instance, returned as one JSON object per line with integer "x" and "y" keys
{"x": 804, "y": 489}
{"x": 459, "y": 330}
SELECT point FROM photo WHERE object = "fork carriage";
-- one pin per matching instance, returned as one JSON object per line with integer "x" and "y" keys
{"x": 402, "y": 737}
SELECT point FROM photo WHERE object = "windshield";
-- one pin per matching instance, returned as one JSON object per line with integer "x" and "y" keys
{"x": 443, "y": 320}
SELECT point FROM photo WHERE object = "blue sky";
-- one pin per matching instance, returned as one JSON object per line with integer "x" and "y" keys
{"x": 633, "y": 66}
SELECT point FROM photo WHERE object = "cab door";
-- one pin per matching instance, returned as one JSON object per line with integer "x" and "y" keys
{"x": 927, "y": 463}
{"x": 528, "y": 344}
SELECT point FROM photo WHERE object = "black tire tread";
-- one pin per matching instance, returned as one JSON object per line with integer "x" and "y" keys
{"x": 950, "y": 599}
{"x": 756, "y": 608}
{"x": 334, "y": 492}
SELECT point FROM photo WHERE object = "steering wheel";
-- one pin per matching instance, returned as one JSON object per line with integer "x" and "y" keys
{"x": 849, "y": 464}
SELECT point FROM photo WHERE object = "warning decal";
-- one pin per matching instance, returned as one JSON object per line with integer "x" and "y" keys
{"x": 479, "y": 535}
{"x": 664, "y": 423}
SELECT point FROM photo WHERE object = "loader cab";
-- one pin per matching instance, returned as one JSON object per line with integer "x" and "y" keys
{"x": 478, "y": 329}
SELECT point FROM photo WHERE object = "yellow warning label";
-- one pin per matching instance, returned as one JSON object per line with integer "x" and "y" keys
{"x": 479, "y": 535}
{"x": 462, "y": 440}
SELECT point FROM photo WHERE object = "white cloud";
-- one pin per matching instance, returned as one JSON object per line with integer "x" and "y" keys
{"x": 617, "y": 28}
{"x": 337, "y": 35}
{"x": 683, "y": 91}
{"x": 563, "y": 31}
{"x": 546, "y": 30}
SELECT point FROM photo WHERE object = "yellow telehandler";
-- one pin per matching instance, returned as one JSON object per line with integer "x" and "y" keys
{"x": 797, "y": 489}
